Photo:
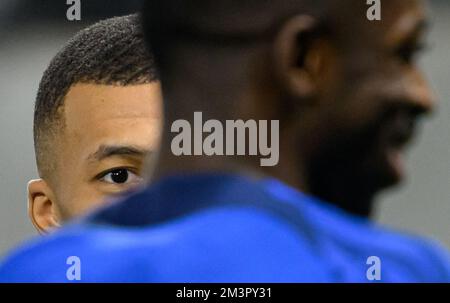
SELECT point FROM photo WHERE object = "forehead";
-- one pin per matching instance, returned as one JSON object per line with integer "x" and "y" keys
{"x": 106, "y": 114}
{"x": 398, "y": 18}
{"x": 93, "y": 102}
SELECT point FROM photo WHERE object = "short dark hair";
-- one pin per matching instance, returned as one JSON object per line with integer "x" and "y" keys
{"x": 111, "y": 52}
{"x": 221, "y": 22}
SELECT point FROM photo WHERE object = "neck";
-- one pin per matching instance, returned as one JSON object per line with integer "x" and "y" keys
{"x": 288, "y": 169}
{"x": 169, "y": 164}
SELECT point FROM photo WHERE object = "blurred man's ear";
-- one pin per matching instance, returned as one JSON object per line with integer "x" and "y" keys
{"x": 41, "y": 207}
{"x": 300, "y": 54}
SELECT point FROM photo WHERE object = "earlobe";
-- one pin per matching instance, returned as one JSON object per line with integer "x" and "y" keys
{"x": 41, "y": 207}
{"x": 296, "y": 64}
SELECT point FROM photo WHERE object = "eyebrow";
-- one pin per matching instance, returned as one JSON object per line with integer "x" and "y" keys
{"x": 106, "y": 151}
{"x": 419, "y": 27}
{"x": 402, "y": 34}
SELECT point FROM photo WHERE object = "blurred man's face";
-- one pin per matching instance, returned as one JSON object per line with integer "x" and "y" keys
{"x": 108, "y": 131}
{"x": 373, "y": 94}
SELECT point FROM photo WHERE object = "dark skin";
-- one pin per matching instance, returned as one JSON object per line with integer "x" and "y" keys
{"x": 348, "y": 101}
{"x": 366, "y": 112}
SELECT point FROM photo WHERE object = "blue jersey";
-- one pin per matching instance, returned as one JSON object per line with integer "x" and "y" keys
{"x": 225, "y": 228}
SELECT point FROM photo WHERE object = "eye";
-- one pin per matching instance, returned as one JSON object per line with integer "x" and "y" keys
{"x": 120, "y": 176}
{"x": 408, "y": 51}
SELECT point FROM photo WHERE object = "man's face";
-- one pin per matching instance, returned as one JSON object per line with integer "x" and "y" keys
{"x": 108, "y": 130}
{"x": 372, "y": 98}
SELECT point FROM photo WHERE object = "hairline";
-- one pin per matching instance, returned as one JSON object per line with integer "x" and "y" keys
{"x": 56, "y": 125}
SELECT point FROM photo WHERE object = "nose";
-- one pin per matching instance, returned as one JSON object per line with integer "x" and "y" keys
{"x": 418, "y": 93}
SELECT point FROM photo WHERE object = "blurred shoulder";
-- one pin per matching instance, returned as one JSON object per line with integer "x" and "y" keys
{"x": 404, "y": 256}
{"x": 150, "y": 253}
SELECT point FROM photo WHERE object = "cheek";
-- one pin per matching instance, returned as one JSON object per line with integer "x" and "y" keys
{"x": 360, "y": 104}
{"x": 80, "y": 199}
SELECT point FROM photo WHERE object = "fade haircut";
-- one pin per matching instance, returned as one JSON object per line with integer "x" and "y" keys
{"x": 110, "y": 52}
{"x": 170, "y": 23}
{"x": 210, "y": 44}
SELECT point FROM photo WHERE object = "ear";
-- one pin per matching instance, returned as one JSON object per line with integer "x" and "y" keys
{"x": 299, "y": 58}
{"x": 41, "y": 207}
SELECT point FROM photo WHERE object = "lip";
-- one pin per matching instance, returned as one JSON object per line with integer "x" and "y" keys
{"x": 395, "y": 160}
{"x": 395, "y": 138}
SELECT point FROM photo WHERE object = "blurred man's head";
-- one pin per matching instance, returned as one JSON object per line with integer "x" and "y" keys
{"x": 347, "y": 91}
{"x": 97, "y": 114}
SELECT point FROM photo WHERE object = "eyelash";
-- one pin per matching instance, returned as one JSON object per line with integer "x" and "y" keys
{"x": 104, "y": 173}
{"x": 407, "y": 52}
